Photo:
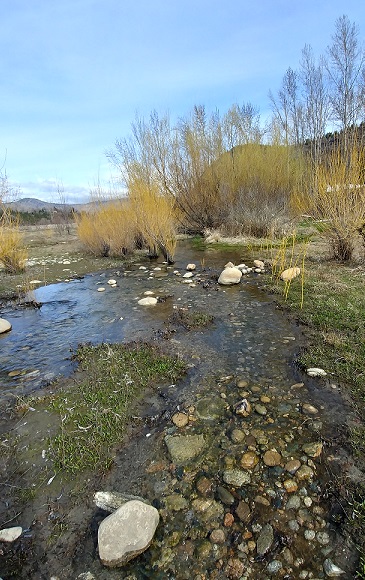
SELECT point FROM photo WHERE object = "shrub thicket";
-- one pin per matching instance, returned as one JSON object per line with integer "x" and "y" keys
{"x": 335, "y": 194}
{"x": 109, "y": 230}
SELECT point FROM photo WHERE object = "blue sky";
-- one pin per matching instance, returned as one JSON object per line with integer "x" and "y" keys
{"x": 75, "y": 72}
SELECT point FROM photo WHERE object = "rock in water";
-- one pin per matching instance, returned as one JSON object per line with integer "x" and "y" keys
{"x": 331, "y": 570}
{"x": 184, "y": 447}
{"x": 112, "y": 500}
{"x": 5, "y": 325}
{"x": 126, "y": 533}
{"x": 259, "y": 264}
{"x": 243, "y": 408}
{"x": 191, "y": 267}
{"x": 230, "y": 276}
{"x": 289, "y": 274}
{"x": 265, "y": 540}
{"x": 149, "y": 301}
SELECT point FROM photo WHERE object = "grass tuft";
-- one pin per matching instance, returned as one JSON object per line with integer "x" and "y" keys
{"x": 94, "y": 414}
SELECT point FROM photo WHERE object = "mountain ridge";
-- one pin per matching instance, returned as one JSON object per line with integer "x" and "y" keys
{"x": 30, "y": 204}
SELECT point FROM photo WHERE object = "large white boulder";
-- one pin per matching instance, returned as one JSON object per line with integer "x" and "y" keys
{"x": 5, "y": 325}
{"x": 230, "y": 276}
{"x": 126, "y": 533}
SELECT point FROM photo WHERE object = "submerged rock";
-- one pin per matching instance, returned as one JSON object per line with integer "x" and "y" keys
{"x": 309, "y": 409}
{"x": 236, "y": 477}
{"x": 272, "y": 458}
{"x": 313, "y": 449}
{"x": 184, "y": 447}
{"x": 127, "y": 533}
{"x": 331, "y": 570}
{"x": 180, "y": 419}
{"x": 210, "y": 408}
{"x": 243, "y": 408}
{"x": 265, "y": 540}
{"x": 249, "y": 460}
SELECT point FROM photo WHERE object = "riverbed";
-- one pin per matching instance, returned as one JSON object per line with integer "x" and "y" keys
{"x": 255, "y": 501}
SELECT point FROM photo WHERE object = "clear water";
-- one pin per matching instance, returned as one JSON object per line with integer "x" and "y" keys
{"x": 41, "y": 342}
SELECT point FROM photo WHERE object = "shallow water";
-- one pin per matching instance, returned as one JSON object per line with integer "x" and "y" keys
{"x": 40, "y": 345}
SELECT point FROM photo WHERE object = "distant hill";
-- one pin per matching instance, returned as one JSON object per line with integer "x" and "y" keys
{"x": 30, "y": 204}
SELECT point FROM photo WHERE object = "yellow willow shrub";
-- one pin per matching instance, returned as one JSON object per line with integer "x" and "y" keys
{"x": 336, "y": 195}
{"x": 109, "y": 229}
{"x": 13, "y": 254}
{"x": 259, "y": 180}
{"x": 154, "y": 217}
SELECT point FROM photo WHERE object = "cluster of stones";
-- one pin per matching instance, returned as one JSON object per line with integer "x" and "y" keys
{"x": 243, "y": 500}
{"x": 44, "y": 261}
{"x": 267, "y": 489}
{"x": 232, "y": 274}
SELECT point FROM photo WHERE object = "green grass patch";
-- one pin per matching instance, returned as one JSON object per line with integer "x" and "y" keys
{"x": 334, "y": 310}
{"x": 93, "y": 414}
{"x": 198, "y": 243}
{"x": 191, "y": 320}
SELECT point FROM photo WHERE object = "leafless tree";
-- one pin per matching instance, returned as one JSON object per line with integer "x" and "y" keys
{"x": 315, "y": 101}
{"x": 288, "y": 109}
{"x": 345, "y": 67}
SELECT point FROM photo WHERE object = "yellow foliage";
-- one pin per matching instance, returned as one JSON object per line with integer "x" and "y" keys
{"x": 259, "y": 181}
{"x": 109, "y": 229}
{"x": 154, "y": 217}
{"x": 336, "y": 195}
{"x": 13, "y": 254}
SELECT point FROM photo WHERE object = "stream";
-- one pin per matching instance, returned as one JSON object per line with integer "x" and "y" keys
{"x": 276, "y": 519}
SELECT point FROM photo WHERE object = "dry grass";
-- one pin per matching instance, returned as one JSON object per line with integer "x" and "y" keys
{"x": 109, "y": 230}
{"x": 13, "y": 254}
{"x": 336, "y": 195}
